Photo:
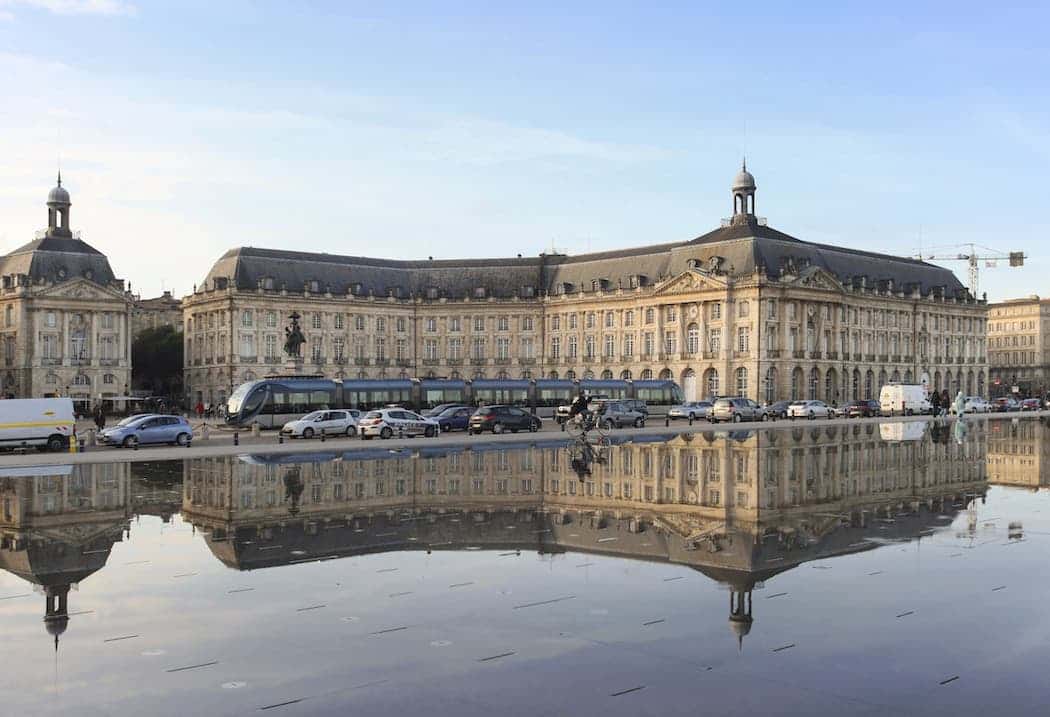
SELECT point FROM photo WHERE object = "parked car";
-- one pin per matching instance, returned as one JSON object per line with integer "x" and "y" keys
{"x": 691, "y": 410}
{"x": 809, "y": 409}
{"x": 456, "y": 418}
{"x": 737, "y": 409}
{"x": 149, "y": 428}
{"x": 1030, "y": 404}
{"x": 636, "y": 404}
{"x": 862, "y": 409}
{"x": 441, "y": 408}
{"x": 332, "y": 423}
{"x": 976, "y": 404}
{"x": 616, "y": 414}
{"x": 778, "y": 409}
{"x": 503, "y": 418}
{"x": 1006, "y": 403}
{"x": 390, "y": 422}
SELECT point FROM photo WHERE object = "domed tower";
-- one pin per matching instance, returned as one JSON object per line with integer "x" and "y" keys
{"x": 743, "y": 195}
{"x": 56, "y": 610}
{"x": 58, "y": 211}
{"x": 740, "y": 614}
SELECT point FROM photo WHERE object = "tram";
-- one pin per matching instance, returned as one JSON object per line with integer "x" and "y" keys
{"x": 273, "y": 401}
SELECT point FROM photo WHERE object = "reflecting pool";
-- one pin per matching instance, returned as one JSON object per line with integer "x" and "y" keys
{"x": 867, "y": 569}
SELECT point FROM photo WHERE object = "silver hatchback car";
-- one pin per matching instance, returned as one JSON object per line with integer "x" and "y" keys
{"x": 737, "y": 409}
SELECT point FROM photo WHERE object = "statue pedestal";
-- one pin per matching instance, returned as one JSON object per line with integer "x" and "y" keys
{"x": 294, "y": 365}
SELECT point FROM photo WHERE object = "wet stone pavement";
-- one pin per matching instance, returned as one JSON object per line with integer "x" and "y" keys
{"x": 813, "y": 570}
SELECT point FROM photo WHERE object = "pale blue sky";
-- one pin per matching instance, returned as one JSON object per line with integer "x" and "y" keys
{"x": 462, "y": 129}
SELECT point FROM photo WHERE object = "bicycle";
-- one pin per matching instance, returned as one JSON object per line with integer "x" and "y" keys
{"x": 582, "y": 423}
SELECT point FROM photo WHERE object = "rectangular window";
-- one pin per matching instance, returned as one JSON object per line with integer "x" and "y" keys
{"x": 400, "y": 325}
{"x": 316, "y": 320}
{"x": 479, "y": 324}
{"x": 628, "y": 318}
{"x": 453, "y": 324}
{"x": 271, "y": 320}
{"x": 248, "y": 345}
{"x": 455, "y": 349}
{"x": 716, "y": 311}
{"x": 502, "y": 348}
{"x": 527, "y": 323}
{"x": 556, "y": 347}
{"x": 503, "y": 324}
{"x": 628, "y": 345}
{"x": 430, "y": 349}
{"x": 555, "y": 323}
{"x": 246, "y": 318}
{"x": 271, "y": 348}
{"x": 432, "y": 325}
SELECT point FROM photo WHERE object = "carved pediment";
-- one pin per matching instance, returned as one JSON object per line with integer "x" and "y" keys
{"x": 814, "y": 277}
{"x": 690, "y": 282}
{"x": 81, "y": 289}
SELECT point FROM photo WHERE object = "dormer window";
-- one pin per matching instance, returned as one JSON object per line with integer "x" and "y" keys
{"x": 432, "y": 293}
{"x": 479, "y": 292}
{"x": 355, "y": 289}
{"x": 267, "y": 283}
{"x": 313, "y": 286}
{"x": 527, "y": 292}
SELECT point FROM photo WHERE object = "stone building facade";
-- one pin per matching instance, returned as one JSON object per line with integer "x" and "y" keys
{"x": 1019, "y": 346}
{"x": 163, "y": 310}
{"x": 744, "y": 309}
{"x": 64, "y": 318}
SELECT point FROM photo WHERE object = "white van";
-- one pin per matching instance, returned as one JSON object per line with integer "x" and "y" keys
{"x": 904, "y": 398}
{"x": 42, "y": 422}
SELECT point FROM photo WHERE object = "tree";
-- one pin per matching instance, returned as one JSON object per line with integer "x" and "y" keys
{"x": 156, "y": 361}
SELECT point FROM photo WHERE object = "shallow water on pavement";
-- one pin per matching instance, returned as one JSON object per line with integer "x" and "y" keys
{"x": 812, "y": 570}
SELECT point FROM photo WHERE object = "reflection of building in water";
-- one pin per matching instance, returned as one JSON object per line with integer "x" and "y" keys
{"x": 739, "y": 508}
{"x": 1018, "y": 453}
{"x": 57, "y": 526}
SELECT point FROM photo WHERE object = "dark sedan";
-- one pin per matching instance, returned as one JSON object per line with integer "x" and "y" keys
{"x": 502, "y": 418}
{"x": 456, "y": 418}
{"x": 862, "y": 409}
{"x": 778, "y": 409}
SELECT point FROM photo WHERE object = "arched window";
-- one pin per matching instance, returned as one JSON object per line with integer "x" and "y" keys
{"x": 771, "y": 385}
{"x": 479, "y": 375}
{"x": 570, "y": 375}
{"x": 741, "y": 381}
{"x": 454, "y": 375}
{"x": 84, "y": 380}
{"x": 907, "y": 376}
{"x": 712, "y": 383}
{"x": 980, "y": 384}
{"x": 625, "y": 375}
{"x": 553, "y": 375}
{"x": 249, "y": 376}
{"x": 52, "y": 379}
{"x": 856, "y": 385}
{"x": 829, "y": 386}
{"x": 502, "y": 376}
{"x": 936, "y": 380}
{"x": 882, "y": 379}
{"x": 665, "y": 375}
{"x": 692, "y": 340}
{"x": 896, "y": 378}
{"x": 588, "y": 375}
{"x": 969, "y": 383}
{"x": 796, "y": 384}
{"x": 607, "y": 374}
{"x": 647, "y": 374}
{"x": 869, "y": 379}
{"x": 814, "y": 383}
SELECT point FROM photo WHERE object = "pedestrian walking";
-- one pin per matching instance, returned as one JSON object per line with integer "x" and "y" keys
{"x": 100, "y": 417}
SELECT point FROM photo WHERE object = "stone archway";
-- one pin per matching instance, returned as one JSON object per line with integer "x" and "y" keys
{"x": 689, "y": 384}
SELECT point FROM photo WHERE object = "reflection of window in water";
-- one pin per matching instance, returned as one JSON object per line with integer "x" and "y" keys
{"x": 477, "y": 485}
{"x": 555, "y": 486}
{"x": 714, "y": 497}
{"x": 628, "y": 489}
{"x": 502, "y": 461}
{"x": 740, "y": 466}
{"x": 668, "y": 494}
{"x": 692, "y": 465}
{"x": 627, "y": 461}
{"x": 399, "y": 486}
{"x": 359, "y": 490}
{"x": 501, "y": 486}
{"x": 477, "y": 462}
{"x": 380, "y": 487}
{"x": 453, "y": 486}
{"x": 647, "y": 463}
{"x": 572, "y": 487}
{"x": 431, "y": 486}
{"x": 315, "y": 492}
{"x": 741, "y": 499}
{"x": 553, "y": 461}
{"x": 589, "y": 488}
{"x": 526, "y": 485}
{"x": 648, "y": 493}
{"x": 526, "y": 461}
{"x": 608, "y": 490}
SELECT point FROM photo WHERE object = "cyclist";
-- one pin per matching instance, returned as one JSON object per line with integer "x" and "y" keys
{"x": 580, "y": 405}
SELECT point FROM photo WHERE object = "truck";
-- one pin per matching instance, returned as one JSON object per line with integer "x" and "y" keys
{"x": 45, "y": 423}
{"x": 904, "y": 399}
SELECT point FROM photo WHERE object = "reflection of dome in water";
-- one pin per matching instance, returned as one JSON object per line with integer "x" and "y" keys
{"x": 741, "y": 626}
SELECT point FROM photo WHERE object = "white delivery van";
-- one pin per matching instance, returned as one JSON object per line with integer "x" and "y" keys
{"x": 42, "y": 422}
{"x": 904, "y": 398}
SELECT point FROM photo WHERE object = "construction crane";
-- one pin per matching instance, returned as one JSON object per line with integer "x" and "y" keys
{"x": 1016, "y": 258}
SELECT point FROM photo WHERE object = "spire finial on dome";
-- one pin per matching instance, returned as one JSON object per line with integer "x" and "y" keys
{"x": 743, "y": 164}
{"x": 60, "y": 177}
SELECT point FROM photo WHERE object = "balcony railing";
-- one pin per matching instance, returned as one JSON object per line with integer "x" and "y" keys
{"x": 798, "y": 354}
{"x": 108, "y": 362}
{"x": 403, "y": 363}
{"x": 870, "y": 358}
{"x": 815, "y": 354}
{"x": 772, "y": 353}
{"x": 244, "y": 359}
{"x": 833, "y": 356}
{"x": 361, "y": 361}
{"x": 526, "y": 361}
{"x": 478, "y": 361}
{"x": 884, "y": 358}
{"x": 709, "y": 355}
{"x": 431, "y": 361}
{"x": 382, "y": 362}
{"x": 503, "y": 361}
{"x": 455, "y": 362}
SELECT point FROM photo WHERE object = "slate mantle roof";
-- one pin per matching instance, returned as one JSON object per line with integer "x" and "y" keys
{"x": 43, "y": 258}
{"x": 742, "y": 246}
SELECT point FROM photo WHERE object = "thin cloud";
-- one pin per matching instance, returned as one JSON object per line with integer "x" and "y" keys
{"x": 72, "y": 7}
